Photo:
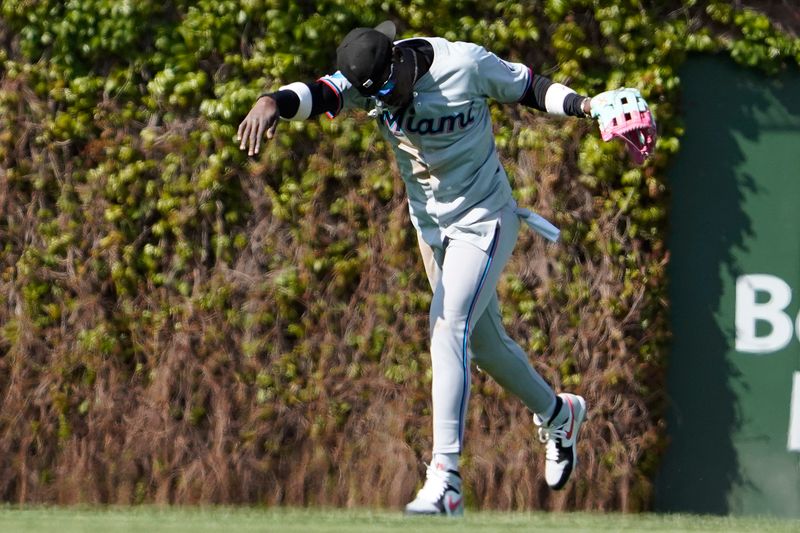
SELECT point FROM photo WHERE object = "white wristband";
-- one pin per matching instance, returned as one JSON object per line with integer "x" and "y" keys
{"x": 554, "y": 98}
{"x": 304, "y": 94}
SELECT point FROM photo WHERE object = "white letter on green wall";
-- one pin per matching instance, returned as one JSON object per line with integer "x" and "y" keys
{"x": 749, "y": 311}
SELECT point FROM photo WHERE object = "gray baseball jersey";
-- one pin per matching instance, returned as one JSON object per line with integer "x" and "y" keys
{"x": 444, "y": 144}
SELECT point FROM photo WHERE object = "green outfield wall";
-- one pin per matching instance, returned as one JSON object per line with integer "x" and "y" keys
{"x": 735, "y": 295}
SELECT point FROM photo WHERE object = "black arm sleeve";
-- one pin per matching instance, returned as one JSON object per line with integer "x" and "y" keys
{"x": 535, "y": 97}
{"x": 288, "y": 102}
{"x": 573, "y": 105}
{"x": 323, "y": 99}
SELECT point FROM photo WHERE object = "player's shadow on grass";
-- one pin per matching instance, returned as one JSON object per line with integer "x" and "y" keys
{"x": 708, "y": 225}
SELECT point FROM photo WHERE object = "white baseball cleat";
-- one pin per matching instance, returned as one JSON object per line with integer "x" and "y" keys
{"x": 561, "y": 438}
{"x": 440, "y": 495}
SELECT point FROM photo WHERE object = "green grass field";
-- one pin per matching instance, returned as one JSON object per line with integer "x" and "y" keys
{"x": 235, "y": 520}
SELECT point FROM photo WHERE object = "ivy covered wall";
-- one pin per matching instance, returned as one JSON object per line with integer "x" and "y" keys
{"x": 179, "y": 323}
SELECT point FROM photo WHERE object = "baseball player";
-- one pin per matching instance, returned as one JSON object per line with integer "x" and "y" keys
{"x": 430, "y": 99}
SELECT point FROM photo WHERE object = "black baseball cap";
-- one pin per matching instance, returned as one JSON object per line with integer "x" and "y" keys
{"x": 365, "y": 55}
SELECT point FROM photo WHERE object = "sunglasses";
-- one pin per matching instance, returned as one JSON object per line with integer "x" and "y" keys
{"x": 387, "y": 88}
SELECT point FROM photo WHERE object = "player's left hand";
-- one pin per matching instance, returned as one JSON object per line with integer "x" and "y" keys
{"x": 624, "y": 114}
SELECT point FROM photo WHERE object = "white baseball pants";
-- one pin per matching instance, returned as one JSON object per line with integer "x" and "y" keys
{"x": 465, "y": 325}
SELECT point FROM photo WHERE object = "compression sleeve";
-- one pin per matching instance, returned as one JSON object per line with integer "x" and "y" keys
{"x": 299, "y": 101}
{"x": 545, "y": 95}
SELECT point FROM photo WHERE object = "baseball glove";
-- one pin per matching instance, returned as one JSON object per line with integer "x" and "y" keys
{"x": 624, "y": 113}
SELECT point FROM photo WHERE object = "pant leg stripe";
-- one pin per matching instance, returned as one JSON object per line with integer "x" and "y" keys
{"x": 465, "y": 356}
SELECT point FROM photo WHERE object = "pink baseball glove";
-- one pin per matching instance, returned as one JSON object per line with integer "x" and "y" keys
{"x": 623, "y": 113}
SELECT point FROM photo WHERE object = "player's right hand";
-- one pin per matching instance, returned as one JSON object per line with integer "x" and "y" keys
{"x": 263, "y": 116}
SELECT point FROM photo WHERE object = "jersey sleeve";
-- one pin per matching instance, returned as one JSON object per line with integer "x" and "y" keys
{"x": 499, "y": 79}
{"x": 349, "y": 98}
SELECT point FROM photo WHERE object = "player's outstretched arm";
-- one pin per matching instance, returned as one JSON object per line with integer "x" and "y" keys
{"x": 296, "y": 101}
{"x": 263, "y": 117}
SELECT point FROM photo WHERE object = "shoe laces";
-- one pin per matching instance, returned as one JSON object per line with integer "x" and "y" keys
{"x": 553, "y": 437}
{"x": 436, "y": 482}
